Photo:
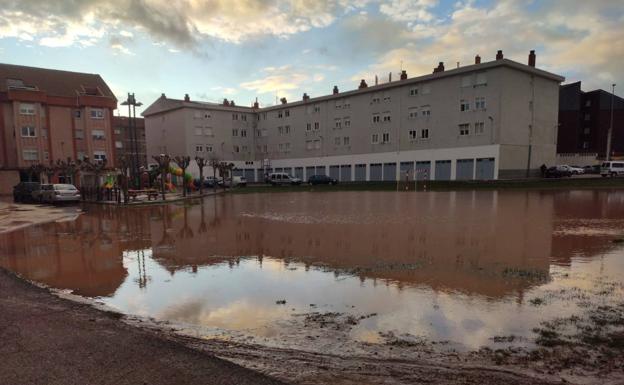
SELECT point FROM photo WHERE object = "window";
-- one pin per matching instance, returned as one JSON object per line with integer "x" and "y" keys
{"x": 287, "y": 113}
{"x": 466, "y": 81}
{"x": 97, "y": 134}
{"x": 317, "y": 144}
{"x": 44, "y": 132}
{"x": 376, "y": 99}
{"x": 197, "y": 115}
{"x": 337, "y": 141}
{"x": 243, "y": 133}
{"x": 464, "y": 105}
{"x": 317, "y": 125}
{"x": 118, "y": 144}
{"x": 308, "y": 126}
{"x": 481, "y": 79}
{"x": 30, "y": 154}
{"x": 80, "y": 155}
{"x": 480, "y": 103}
{"x": 244, "y": 117}
{"x": 587, "y": 117}
{"x": 309, "y": 144}
{"x": 97, "y": 113}
{"x": 117, "y": 131}
{"x": 207, "y": 115}
{"x": 77, "y": 113}
{"x": 375, "y": 138}
{"x": 412, "y": 113}
{"x": 280, "y": 130}
{"x": 99, "y": 156}
{"x": 79, "y": 134}
{"x": 346, "y": 141}
{"x": 412, "y": 134}
{"x": 586, "y": 130}
{"x": 236, "y": 148}
{"x": 413, "y": 91}
{"x": 479, "y": 128}
{"x": 265, "y": 149}
{"x": 385, "y": 138}
{"x": 46, "y": 155}
{"x": 376, "y": 118}
{"x": 425, "y": 90}
{"x": 425, "y": 110}
{"x": 387, "y": 98}
{"x": 585, "y": 145}
{"x": 209, "y": 148}
{"x": 235, "y": 132}
{"x": 346, "y": 104}
{"x": 588, "y": 103}
{"x": 464, "y": 129}
{"x": 287, "y": 130}
{"x": 424, "y": 133}
{"x": 265, "y": 132}
{"x": 338, "y": 123}
{"x": 245, "y": 149}
{"x": 386, "y": 117}
{"x": 347, "y": 122}
{"x": 208, "y": 131}
{"x": 234, "y": 116}
{"x": 317, "y": 108}
{"x": 338, "y": 104}
{"x": 280, "y": 114}
{"x": 199, "y": 148}
{"x": 27, "y": 109}
{"x": 198, "y": 130}
{"x": 28, "y": 132}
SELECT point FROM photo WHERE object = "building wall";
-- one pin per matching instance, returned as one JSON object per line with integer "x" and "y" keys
{"x": 166, "y": 134}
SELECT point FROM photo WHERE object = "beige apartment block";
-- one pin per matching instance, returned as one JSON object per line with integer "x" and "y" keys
{"x": 487, "y": 120}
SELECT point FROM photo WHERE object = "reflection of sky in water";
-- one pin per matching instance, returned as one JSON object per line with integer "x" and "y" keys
{"x": 441, "y": 265}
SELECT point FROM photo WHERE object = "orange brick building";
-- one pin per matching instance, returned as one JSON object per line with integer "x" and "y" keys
{"x": 47, "y": 115}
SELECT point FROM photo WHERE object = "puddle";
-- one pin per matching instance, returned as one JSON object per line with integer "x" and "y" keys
{"x": 320, "y": 271}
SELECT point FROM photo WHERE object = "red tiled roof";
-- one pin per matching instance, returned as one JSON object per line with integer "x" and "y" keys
{"x": 54, "y": 82}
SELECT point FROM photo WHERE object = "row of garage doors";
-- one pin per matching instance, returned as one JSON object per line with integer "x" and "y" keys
{"x": 465, "y": 169}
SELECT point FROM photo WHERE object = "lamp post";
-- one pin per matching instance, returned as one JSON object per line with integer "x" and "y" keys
{"x": 610, "y": 132}
{"x": 134, "y": 158}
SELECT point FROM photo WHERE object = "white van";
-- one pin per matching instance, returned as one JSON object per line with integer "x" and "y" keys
{"x": 612, "y": 169}
{"x": 278, "y": 178}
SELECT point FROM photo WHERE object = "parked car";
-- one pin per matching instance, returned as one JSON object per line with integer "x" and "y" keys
{"x": 612, "y": 169}
{"x": 22, "y": 192}
{"x": 280, "y": 178}
{"x": 209, "y": 182}
{"x": 557, "y": 172}
{"x": 575, "y": 170}
{"x": 61, "y": 193}
{"x": 37, "y": 195}
{"x": 592, "y": 169}
{"x": 236, "y": 181}
{"x": 321, "y": 179}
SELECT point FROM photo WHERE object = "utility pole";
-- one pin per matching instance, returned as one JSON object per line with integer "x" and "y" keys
{"x": 134, "y": 158}
{"x": 610, "y": 133}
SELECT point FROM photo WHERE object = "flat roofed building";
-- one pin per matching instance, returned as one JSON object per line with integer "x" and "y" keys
{"x": 483, "y": 121}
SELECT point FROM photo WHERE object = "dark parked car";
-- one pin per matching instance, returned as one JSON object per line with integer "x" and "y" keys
{"x": 321, "y": 179}
{"x": 595, "y": 169}
{"x": 557, "y": 172}
{"x": 22, "y": 192}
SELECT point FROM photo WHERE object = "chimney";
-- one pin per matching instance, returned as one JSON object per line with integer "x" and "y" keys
{"x": 390, "y": 77}
{"x": 403, "y": 75}
{"x": 232, "y": 103}
{"x": 186, "y": 98}
{"x": 499, "y": 54}
{"x": 305, "y": 97}
{"x": 256, "y": 104}
{"x": 226, "y": 102}
{"x": 532, "y": 58}
{"x": 477, "y": 59}
{"x": 439, "y": 68}
{"x": 376, "y": 80}
{"x": 283, "y": 100}
{"x": 163, "y": 95}
{"x": 363, "y": 84}
{"x": 335, "y": 91}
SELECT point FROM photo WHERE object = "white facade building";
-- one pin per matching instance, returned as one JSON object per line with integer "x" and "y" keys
{"x": 483, "y": 121}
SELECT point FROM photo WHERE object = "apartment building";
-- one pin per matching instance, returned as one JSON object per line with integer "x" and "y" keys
{"x": 487, "y": 120}
{"x": 47, "y": 115}
{"x": 130, "y": 140}
{"x": 584, "y": 120}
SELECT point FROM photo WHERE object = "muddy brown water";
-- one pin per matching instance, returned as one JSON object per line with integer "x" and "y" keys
{"x": 462, "y": 267}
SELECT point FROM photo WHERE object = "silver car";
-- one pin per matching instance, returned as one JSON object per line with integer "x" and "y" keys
{"x": 61, "y": 193}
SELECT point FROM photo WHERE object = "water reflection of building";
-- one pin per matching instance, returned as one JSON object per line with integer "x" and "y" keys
{"x": 463, "y": 241}
{"x": 85, "y": 255}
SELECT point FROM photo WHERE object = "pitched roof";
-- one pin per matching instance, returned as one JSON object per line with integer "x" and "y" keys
{"x": 53, "y": 82}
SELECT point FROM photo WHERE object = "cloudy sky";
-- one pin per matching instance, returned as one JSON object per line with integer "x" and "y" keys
{"x": 243, "y": 49}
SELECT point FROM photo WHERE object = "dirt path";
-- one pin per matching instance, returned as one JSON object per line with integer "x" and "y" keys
{"x": 48, "y": 340}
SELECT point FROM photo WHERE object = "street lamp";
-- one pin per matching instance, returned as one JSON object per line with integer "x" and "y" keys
{"x": 610, "y": 132}
{"x": 134, "y": 158}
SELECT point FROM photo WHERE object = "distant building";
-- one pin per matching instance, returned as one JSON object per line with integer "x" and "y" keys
{"x": 48, "y": 114}
{"x": 128, "y": 142}
{"x": 486, "y": 120}
{"x": 584, "y": 119}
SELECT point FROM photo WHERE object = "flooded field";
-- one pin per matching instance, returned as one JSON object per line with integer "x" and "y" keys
{"x": 342, "y": 271}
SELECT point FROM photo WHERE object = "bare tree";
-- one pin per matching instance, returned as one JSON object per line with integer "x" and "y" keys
{"x": 36, "y": 170}
{"x": 225, "y": 169}
{"x": 49, "y": 171}
{"x": 163, "y": 167}
{"x": 201, "y": 163}
{"x": 214, "y": 163}
{"x": 183, "y": 162}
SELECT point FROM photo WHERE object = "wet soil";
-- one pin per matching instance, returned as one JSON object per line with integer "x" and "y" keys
{"x": 49, "y": 340}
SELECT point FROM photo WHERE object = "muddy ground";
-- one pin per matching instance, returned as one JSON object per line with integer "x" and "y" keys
{"x": 14, "y": 216}
{"x": 49, "y": 340}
